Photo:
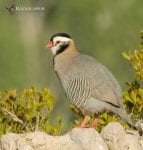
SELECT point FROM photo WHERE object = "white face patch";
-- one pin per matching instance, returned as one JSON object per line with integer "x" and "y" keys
{"x": 58, "y": 41}
{"x": 59, "y": 38}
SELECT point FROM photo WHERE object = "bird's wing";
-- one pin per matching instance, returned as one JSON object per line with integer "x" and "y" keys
{"x": 105, "y": 87}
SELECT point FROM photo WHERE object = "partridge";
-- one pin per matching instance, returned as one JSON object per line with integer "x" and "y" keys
{"x": 88, "y": 84}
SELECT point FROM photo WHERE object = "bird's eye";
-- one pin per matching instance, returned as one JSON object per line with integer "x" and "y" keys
{"x": 58, "y": 42}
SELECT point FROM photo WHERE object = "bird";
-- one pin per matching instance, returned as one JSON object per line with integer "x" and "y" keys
{"x": 88, "y": 84}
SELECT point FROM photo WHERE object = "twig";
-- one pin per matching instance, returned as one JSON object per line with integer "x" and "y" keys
{"x": 37, "y": 122}
{"x": 13, "y": 116}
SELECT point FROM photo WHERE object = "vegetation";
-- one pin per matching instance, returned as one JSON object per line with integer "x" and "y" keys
{"x": 27, "y": 111}
{"x": 133, "y": 96}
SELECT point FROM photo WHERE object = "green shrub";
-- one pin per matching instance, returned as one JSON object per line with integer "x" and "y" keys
{"x": 132, "y": 96}
{"x": 27, "y": 111}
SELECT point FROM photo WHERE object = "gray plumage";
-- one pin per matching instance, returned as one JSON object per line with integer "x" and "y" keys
{"x": 88, "y": 84}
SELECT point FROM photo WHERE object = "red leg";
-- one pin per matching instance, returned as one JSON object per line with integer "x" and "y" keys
{"x": 85, "y": 121}
{"x": 94, "y": 123}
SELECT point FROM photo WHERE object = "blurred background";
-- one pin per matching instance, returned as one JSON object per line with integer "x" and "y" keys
{"x": 101, "y": 29}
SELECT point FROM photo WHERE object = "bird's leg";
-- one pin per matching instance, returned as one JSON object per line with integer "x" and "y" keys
{"x": 85, "y": 121}
{"x": 94, "y": 123}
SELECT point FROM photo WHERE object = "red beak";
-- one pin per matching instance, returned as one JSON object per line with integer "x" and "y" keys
{"x": 49, "y": 45}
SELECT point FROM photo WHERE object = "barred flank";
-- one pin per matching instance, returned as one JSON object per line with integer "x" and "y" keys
{"x": 78, "y": 90}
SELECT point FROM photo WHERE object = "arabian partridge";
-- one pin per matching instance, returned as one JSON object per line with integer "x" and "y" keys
{"x": 88, "y": 84}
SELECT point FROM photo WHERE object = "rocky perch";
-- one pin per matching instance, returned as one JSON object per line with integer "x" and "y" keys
{"x": 112, "y": 137}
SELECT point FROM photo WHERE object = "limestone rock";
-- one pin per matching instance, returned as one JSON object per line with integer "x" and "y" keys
{"x": 118, "y": 139}
{"x": 89, "y": 139}
{"x": 112, "y": 137}
{"x": 77, "y": 139}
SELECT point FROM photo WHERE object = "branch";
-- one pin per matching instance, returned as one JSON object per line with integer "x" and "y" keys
{"x": 13, "y": 116}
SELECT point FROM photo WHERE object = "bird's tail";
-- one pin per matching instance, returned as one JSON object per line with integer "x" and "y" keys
{"x": 123, "y": 114}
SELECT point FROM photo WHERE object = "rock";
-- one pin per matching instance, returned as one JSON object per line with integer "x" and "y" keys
{"x": 112, "y": 137}
{"x": 141, "y": 142}
{"x": 118, "y": 139}
{"x": 37, "y": 141}
{"x": 77, "y": 139}
{"x": 89, "y": 139}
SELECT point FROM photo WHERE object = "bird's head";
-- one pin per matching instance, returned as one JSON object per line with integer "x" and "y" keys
{"x": 59, "y": 42}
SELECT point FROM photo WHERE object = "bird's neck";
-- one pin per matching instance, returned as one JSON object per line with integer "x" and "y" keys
{"x": 63, "y": 61}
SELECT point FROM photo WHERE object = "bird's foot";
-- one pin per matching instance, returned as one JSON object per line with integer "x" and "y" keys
{"x": 84, "y": 123}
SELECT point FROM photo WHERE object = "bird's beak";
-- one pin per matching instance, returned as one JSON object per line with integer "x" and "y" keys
{"x": 49, "y": 45}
